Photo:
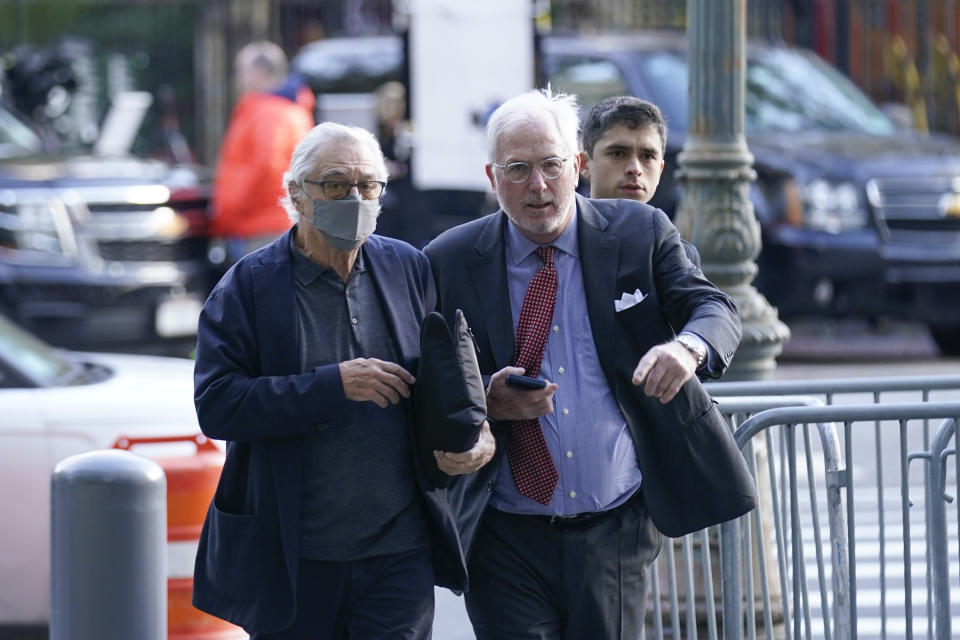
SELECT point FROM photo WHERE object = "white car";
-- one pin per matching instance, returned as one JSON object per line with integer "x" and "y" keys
{"x": 54, "y": 404}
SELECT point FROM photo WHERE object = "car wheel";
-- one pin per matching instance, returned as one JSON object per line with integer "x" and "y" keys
{"x": 947, "y": 338}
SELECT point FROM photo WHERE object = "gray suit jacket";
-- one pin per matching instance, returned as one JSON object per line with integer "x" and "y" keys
{"x": 693, "y": 473}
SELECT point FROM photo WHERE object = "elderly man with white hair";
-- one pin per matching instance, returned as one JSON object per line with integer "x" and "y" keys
{"x": 322, "y": 525}
{"x": 615, "y": 441}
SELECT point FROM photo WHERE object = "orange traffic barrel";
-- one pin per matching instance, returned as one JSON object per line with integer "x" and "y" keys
{"x": 191, "y": 482}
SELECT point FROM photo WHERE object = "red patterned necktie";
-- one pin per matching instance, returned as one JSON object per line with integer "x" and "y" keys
{"x": 533, "y": 470}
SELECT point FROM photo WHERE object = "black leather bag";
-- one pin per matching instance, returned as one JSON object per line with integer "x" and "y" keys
{"x": 449, "y": 398}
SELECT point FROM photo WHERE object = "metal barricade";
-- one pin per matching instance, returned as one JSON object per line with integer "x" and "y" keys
{"x": 839, "y": 612}
{"x": 937, "y": 532}
{"x": 877, "y": 387}
{"x": 688, "y": 604}
{"x": 684, "y": 581}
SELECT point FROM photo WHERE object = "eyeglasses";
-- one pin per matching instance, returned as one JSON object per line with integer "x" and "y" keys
{"x": 550, "y": 168}
{"x": 338, "y": 189}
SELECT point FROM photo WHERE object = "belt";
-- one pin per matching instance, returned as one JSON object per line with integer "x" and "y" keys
{"x": 581, "y": 520}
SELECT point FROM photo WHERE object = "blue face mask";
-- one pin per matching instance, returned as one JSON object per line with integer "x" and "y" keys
{"x": 346, "y": 223}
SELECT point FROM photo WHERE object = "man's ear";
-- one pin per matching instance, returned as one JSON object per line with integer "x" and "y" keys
{"x": 489, "y": 170}
{"x": 584, "y": 165}
{"x": 296, "y": 193}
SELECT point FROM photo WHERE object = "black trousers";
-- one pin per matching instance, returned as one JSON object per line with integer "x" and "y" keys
{"x": 533, "y": 579}
{"x": 386, "y": 597}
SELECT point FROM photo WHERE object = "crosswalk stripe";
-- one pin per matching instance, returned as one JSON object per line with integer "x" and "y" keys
{"x": 871, "y": 570}
{"x": 870, "y": 598}
{"x": 893, "y": 549}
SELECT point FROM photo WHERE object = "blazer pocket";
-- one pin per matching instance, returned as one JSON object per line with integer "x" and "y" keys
{"x": 235, "y": 551}
{"x": 705, "y": 472}
{"x": 230, "y": 504}
{"x": 695, "y": 410}
{"x": 642, "y": 317}
{"x": 233, "y": 495}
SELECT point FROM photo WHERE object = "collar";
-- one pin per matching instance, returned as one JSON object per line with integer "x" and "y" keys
{"x": 306, "y": 271}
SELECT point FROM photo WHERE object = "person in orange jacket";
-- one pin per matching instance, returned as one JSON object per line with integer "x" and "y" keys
{"x": 274, "y": 112}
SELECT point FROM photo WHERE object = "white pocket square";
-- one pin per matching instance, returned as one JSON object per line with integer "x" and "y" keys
{"x": 627, "y": 300}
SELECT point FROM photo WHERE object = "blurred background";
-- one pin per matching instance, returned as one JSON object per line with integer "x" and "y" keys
{"x": 898, "y": 51}
{"x": 112, "y": 113}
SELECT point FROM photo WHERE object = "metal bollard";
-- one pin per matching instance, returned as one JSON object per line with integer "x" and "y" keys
{"x": 108, "y": 548}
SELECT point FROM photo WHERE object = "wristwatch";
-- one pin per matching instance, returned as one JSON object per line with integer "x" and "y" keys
{"x": 695, "y": 346}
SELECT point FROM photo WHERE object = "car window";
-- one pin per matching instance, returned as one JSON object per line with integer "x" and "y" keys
{"x": 787, "y": 90}
{"x": 666, "y": 73}
{"x": 16, "y": 139}
{"x": 793, "y": 91}
{"x": 590, "y": 79}
{"x": 32, "y": 359}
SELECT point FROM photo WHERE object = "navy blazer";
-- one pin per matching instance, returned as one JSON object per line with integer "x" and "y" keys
{"x": 693, "y": 474}
{"x": 250, "y": 392}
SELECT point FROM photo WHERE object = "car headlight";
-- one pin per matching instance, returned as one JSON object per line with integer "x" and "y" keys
{"x": 833, "y": 207}
{"x": 37, "y": 226}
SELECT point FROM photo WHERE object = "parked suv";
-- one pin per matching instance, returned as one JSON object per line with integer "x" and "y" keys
{"x": 101, "y": 252}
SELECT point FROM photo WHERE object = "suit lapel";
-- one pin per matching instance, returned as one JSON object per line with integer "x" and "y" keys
{"x": 384, "y": 265}
{"x": 276, "y": 318}
{"x": 599, "y": 256}
{"x": 488, "y": 276}
{"x": 280, "y": 355}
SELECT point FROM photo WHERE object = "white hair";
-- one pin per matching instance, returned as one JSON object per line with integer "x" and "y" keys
{"x": 310, "y": 151}
{"x": 561, "y": 107}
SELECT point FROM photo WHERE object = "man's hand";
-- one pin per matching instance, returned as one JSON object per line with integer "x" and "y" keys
{"x": 456, "y": 464}
{"x": 506, "y": 403}
{"x": 664, "y": 369}
{"x": 375, "y": 380}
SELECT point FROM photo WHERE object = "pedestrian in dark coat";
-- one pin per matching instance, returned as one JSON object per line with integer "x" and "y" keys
{"x": 322, "y": 525}
{"x": 621, "y": 443}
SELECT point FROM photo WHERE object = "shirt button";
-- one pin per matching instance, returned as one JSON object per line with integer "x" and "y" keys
{"x": 573, "y": 494}
{"x": 569, "y": 454}
{"x": 354, "y": 320}
{"x": 556, "y": 328}
{"x": 566, "y": 411}
{"x": 560, "y": 370}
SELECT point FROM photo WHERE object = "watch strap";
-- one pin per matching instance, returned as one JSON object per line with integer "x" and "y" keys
{"x": 695, "y": 346}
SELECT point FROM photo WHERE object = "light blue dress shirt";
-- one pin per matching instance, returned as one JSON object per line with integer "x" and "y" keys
{"x": 587, "y": 435}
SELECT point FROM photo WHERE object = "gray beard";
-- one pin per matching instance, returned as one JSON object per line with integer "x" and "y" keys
{"x": 542, "y": 226}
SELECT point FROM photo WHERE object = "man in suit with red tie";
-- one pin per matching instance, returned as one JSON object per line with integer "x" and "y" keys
{"x": 598, "y": 299}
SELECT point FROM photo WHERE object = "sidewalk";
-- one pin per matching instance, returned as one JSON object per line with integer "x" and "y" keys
{"x": 819, "y": 349}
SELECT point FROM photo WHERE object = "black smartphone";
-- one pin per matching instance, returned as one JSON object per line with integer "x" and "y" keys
{"x": 525, "y": 382}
